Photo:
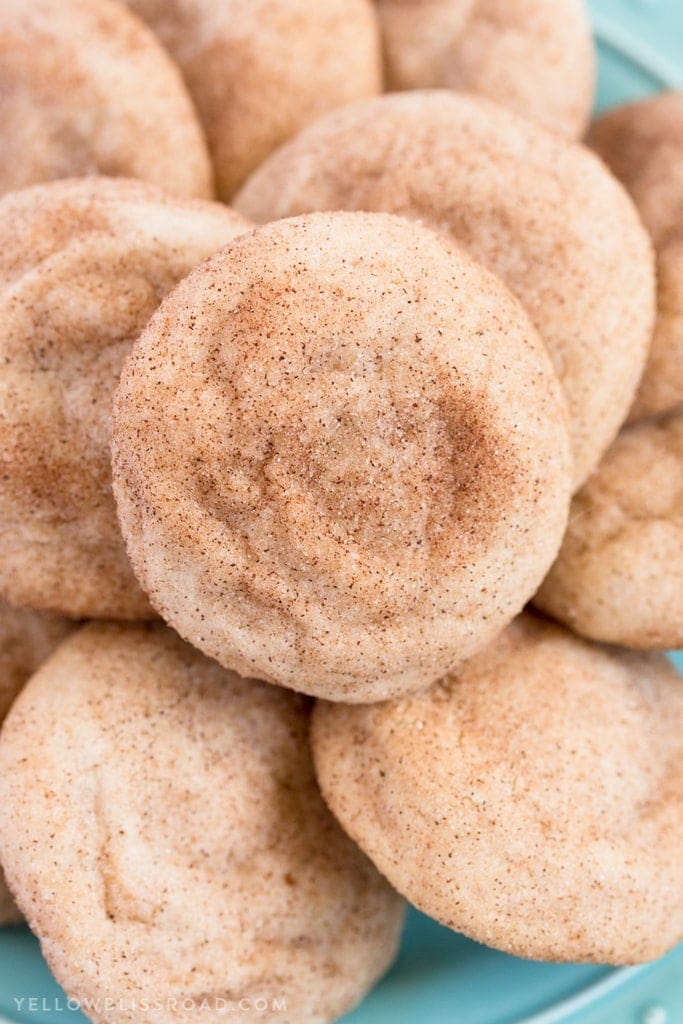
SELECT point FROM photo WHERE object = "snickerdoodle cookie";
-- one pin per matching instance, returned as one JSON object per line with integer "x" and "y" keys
{"x": 340, "y": 456}
{"x": 533, "y": 800}
{"x": 534, "y": 56}
{"x": 26, "y": 639}
{"x": 162, "y": 829}
{"x": 83, "y": 265}
{"x": 542, "y": 213}
{"x": 260, "y": 71}
{"x": 619, "y": 574}
{"x": 86, "y": 88}
{"x": 643, "y": 145}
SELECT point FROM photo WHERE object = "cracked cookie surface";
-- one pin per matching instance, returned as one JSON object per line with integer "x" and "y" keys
{"x": 532, "y": 800}
{"x": 161, "y": 825}
{"x": 364, "y": 470}
{"x": 619, "y": 574}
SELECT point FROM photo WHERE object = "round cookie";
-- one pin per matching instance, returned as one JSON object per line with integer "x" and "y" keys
{"x": 643, "y": 144}
{"x": 85, "y": 88}
{"x": 26, "y": 640}
{"x": 533, "y": 801}
{"x": 83, "y": 265}
{"x": 534, "y": 56}
{"x": 542, "y": 213}
{"x": 260, "y": 71}
{"x": 167, "y": 841}
{"x": 619, "y": 574}
{"x": 365, "y": 459}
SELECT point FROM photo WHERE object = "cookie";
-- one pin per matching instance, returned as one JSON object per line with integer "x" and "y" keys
{"x": 534, "y": 56}
{"x": 85, "y": 88}
{"x": 533, "y": 800}
{"x": 26, "y": 639}
{"x": 542, "y": 213}
{"x": 643, "y": 144}
{"x": 260, "y": 71}
{"x": 167, "y": 842}
{"x": 83, "y": 265}
{"x": 619, "y": 574}
{"x": 345, "y": 473}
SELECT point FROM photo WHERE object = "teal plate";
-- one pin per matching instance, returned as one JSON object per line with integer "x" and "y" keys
{"x": 440, "y": 977}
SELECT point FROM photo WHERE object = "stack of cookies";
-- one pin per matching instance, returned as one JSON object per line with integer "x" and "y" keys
{"x": 371, "y": 480}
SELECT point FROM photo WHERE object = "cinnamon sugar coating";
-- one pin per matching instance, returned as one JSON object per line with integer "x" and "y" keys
{"x": 26, "y": 639}
{"x": 83, "y": 265}
{"x": 643, "y": 144}
{"x": 85, "y": 88}
{"x": 533, "y": 800}
{"x": 260, "y": 70}
{"x": 340, "y": 456}
{"x": 162, "y": 828}
{"x": 543, "y": 214}
{"x": 534, "y": 56}
{"x": 619, "y": 574}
